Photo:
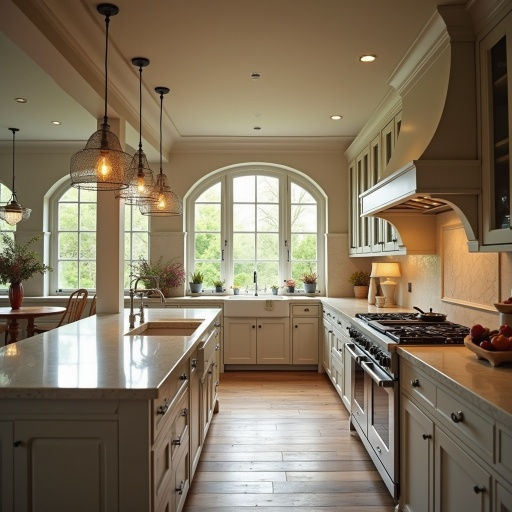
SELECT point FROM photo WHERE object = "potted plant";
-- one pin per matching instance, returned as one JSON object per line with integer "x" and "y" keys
{"x": 218, "y": 286}
{"x": 275, "y": 289}
{"x": 290, "y": 285}
{"x": 196, "y": 281}
{"x": 309, "y": 279}
{"x": 360, "y": 281}
{"x": 17, "y": 264}
{"x": 165, "y": 276}
{"x": 236, "y": 289}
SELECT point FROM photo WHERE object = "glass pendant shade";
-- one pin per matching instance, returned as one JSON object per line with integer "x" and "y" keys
{"x": 140, "y": 188}
{"x": 13, "y": 212}
{"x": 165, "y": 202}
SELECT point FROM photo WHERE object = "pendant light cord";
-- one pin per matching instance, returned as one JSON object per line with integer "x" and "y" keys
{"x": 161, "y": 109}
{"x": 107, "y": 23}
{"x": 13, "y": 130}
{"x": 140, "y": 108}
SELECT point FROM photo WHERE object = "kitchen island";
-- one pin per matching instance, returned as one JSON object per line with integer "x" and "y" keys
{"x": 94, "y": 419}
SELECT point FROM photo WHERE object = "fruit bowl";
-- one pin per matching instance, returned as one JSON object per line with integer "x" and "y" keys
{"x": 495, "y": 358}
{"x": 503, "y": 308}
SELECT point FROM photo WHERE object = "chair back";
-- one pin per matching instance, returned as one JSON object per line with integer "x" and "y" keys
{"x": 75, "y": 307}
{"x": 92, "y": 307}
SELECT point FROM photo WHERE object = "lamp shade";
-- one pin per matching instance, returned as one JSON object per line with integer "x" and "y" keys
{"x": 388, "y": 269}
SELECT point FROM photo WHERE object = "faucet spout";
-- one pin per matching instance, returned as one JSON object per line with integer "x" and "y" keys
{"x": 255, "y": 283}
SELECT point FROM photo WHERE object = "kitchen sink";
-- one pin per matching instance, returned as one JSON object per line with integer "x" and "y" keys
{"x": 166, "y": 328}
{"x": 266, "y": 306}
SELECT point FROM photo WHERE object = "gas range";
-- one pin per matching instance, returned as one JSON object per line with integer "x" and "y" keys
{"x": 406, "y": 329}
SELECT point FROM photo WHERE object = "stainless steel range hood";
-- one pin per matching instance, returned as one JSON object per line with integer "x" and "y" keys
{"x": 434, "y": 166}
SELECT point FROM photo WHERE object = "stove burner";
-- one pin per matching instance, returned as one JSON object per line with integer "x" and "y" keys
{"x": 368, "y": 317}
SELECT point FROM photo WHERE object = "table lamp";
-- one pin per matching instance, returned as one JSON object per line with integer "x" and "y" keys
{"x": 387, "y": 270}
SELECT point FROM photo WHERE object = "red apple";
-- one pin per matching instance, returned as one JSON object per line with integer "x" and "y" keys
{"x": 476, "y": 331}
{"x": 506, "y": 330}
{"x": 486, "y": 345}
{"x": 500, "y": 342}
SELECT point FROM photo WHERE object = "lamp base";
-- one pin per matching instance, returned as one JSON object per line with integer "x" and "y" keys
{"x": 388, "y": 290}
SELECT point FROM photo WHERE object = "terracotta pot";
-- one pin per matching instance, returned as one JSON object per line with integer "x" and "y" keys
{"x": 16, "y": 295}
{"x": 360, "y": 292}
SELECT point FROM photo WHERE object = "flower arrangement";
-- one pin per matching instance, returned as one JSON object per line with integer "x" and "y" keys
{"x": 290, "y": 283}
{"x": 18, "y": 262}
{"x": 309, "y": 277}
{"x": 360, "y": 278}
{"x": 167, "y": 275}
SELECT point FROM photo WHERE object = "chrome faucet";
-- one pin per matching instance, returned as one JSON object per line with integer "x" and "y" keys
{"x": 255, "y": 283}
{"x": 133, "y": 291}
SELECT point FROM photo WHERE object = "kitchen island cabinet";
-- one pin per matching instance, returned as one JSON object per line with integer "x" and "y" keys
{"x": 92, "y": 419}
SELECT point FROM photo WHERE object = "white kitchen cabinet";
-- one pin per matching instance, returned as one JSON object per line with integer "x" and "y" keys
{"x": 305, "y": 340}
{"x": 417, "y": 459}
{"x": 240, "y": 340}
{"x": 6, "y": 465}
{"x": 363, "y": 183}
{"x": 326, "y": 347}
{"x": 503, "y": 499}
{"x": 347, "y": 379}
{"x": 459, "y": 482}
{"x": 81, "y": 454}
{"x": 196, "y": 441}
{"x": 272, "y": 341}
{"x": 496, "y": 91}
{"x": 353, "y": 213}
{"x": 256, "y": 341}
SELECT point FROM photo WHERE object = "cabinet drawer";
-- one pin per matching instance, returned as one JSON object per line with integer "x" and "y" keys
{"x": 337, "y": 360}
{"x": 206, "y": 351}
{"x": 167, "y": 392}
{"x": 467, "y": 424}
{"x": 161, "y": 468}
{"x": 181, "y": 479}
{"x": 416, "y": 383}
{"x": 180, "y": 424}
{"x": 306, "y": 310}
{"x": 504, "y": 452}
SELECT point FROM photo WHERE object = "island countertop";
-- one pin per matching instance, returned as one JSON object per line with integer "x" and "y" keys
{"x": 94, "y": 358}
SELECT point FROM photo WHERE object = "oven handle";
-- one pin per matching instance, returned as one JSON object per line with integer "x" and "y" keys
{"x": 383, "y": 382}
{"x": 357, "y": 357}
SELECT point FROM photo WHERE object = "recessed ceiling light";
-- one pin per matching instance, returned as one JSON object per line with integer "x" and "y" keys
{"x": 56, "y": 123}
{"x": 20, "y": 100}
{"x": 257, "y": 127}
{"x": 336, "y": 117}
{"x": 368, "y": 58}
{"x": 255, "y": 75}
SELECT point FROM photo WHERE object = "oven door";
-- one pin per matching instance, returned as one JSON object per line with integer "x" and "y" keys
{"x": 382, "y": 392}
{"x": 359, "y": 411}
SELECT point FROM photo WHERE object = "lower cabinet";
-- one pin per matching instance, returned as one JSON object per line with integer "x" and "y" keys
{"x": 256, "y": 341}
{"x": 503, "y": 499}
{"x": 196, "y": 430}
{"x": 304, "y": 340}
{"x": 347, "y": 379}
{"x": 6, "y": 469}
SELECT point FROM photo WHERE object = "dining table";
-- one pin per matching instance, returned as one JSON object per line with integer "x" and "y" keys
{"x": 29, "y": 313}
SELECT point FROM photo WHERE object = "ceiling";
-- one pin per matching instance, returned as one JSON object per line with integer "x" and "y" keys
{"x": 307, "y": 52}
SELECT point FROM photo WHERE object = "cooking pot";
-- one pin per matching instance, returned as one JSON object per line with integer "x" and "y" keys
{"x": 429, "y": 317}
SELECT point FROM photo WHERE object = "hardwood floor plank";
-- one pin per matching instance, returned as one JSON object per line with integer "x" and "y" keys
{"x": 336, "y": 486}
{"x": 242, "y": 456}
{"x": 233, "y": 487}
{"x": 310, "y": 456}
{"x": 290, "y": 465}
{"x": 356, "y": 508}
{"x": 325, "y": 476}
{"x": 240, "y": 476}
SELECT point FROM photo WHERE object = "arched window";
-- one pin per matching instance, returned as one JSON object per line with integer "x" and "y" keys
{"x": 7, "y": 229}
{"x": 255, "y": 218}
{"x": 73, "y": 249}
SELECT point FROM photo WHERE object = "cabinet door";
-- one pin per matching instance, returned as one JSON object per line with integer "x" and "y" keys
{"x": 181, "y": 480}
{"x": 347, "y": 377}
{"x": 195, "y": 415}
{"x": 363, "y": 175}
{"x": 496, "y": 91}
{"x": 6, "y": 465}
{"x": 459, "y": 482}
{"x": 375, "y": 173}
{"x": 66, "y": 465}
{"x": 240, "y": 341}
{"x": 503, "y": 499}
{"x": 305, "y": 340}
{"x": 353, "y": 207}
{"x": 273, "y": 345}
{"x": 416, "y": 459}
{"x": 326, "y": 347}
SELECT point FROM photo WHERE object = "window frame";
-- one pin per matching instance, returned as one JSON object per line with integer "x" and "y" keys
{"x": 286, "y": 176}
{"x": 12, "y": 230}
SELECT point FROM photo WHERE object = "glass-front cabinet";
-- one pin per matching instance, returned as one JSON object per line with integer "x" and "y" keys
{"x": 496, "y": 88}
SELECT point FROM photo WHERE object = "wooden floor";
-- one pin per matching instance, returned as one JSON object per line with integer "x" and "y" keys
{"x": 281, "y": 442}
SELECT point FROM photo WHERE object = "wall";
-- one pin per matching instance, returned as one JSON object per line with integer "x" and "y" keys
{"x": 40, "y": 166}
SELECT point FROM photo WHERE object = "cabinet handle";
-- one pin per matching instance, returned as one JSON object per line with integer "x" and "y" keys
{"x": 17, "y": 443}
{"x": 415, "y": 383}
{"x": 176, "y": 442}
{"x": 216, "y": 324}
{"x": 339, "y": 322}
{"x": 183, "y": 376}
{"x": 162, "y": 409}
{"x": 394, "y": 240}
{"x": 378, "y": 449}
{"x": 306, "y": 309}
{"x": 217, "y": 347}
{"x": 329, "y": 332}
{"x": 193, "y": 363}
{"x": 184, "y": 412}
{"x": 179, "y": 489}
{"x": 457, "y": 417}
{"x": 478, "y": 490}
{"x": 427, "y": 436}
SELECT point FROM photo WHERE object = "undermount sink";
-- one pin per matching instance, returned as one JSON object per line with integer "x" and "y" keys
{"x": 261, "y": 306}
{"x": 166, "y": 328}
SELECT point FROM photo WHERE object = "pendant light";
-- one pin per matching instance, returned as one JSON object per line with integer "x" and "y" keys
{"x": 102, "y": 164}
{"x": 141, "y": 184}
{"x": 166, "y": 202}
{"x": 13, "y": 212}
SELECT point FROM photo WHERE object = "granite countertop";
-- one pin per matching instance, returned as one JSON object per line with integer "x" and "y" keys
{"x": 93, "y": 358}
{"x": 488, "y": 389}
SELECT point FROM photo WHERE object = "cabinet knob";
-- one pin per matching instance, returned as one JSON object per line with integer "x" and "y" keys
{"x": 193, "y": 363}
{"x": 176, "y": 442}
{"x": 216, "y": 324}
{"x": 415, "y": 383}
{"x": 184, "y": 412}
{"x": 296, "y": 326}
{"x": 478, "y": 490}
{"x": 183, "y": 376}
{"x": 17, "y": 443}
{"x": 378, "y": 449}
{"x": 457, "y": 417}
{"x": 253, "y": 326}
{"x": 179, "y": 489}
{"x": 217, "y": 347}
{"x": 427, "y": 436}
{"x": 162, "y": 409}
{"x": 306, "y": 309}
{"x": 259, "y": 326}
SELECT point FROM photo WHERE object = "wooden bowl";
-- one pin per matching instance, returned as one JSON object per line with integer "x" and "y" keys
{"x": 503, "y": 308}
{"x": 495, "y": 358}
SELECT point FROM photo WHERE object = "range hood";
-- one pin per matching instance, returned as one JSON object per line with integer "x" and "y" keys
{"x": 434, "y": 166}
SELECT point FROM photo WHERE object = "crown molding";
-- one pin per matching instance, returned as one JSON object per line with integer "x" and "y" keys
{"x": 42, "y": 147}
{"x": 261, "y": 144}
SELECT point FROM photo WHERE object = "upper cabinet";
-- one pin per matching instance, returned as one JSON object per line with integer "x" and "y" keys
{"x": 371, "y": 236}
{"x": 496, "y": 88}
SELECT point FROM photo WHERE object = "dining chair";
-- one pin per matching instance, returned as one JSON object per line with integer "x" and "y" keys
{"x": 74, "y": 309}
{"x": 92, "y": 307}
